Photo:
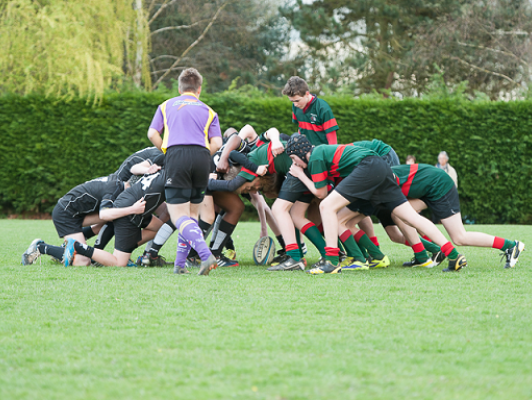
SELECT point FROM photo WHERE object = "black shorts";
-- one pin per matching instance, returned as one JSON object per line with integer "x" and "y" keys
{"x": 127, "y": 234}
{"x": 294, "y": 190}
{"x": 187, "y": 174}
{"x": 65, "y": 223}
{"x": 445, "y": 207}
{"x": 385, "y": 216}
{"x": 362, "y": 206}
{"x": 372, "y": 180}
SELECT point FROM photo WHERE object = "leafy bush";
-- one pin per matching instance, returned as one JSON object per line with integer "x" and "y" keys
{"x": 49, "y": 146}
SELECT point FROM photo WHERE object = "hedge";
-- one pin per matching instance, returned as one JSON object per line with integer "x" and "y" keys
{"x": 48, "y": 146}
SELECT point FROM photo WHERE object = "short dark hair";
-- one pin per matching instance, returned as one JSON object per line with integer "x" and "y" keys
{"x": 295, "y": 86}
{"x": 410, "y": 157}
{"x": 190, "y": 80}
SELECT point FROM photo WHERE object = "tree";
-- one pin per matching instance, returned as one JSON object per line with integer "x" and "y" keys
{"x": 489, "y": 44}
{"x": 71, "y": 47}
{"x": 246, "y": 43}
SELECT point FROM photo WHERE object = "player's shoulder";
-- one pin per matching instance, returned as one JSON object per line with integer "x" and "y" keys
{"x": 321, "y": 104}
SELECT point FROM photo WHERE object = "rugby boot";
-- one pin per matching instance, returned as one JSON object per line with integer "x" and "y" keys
{"x": 207, "y": 265}
{"x": 289, "y": 265}
{"x": 181, "y": 270}
{"x": 223, "y": 261}
{"x": 382, "y": 263}
{"x": 192, "y": 262}
{"x": 320, "y": 263}
{"x": 280, "y": 258}
{"x": 437, "y": 258}
{"x": 230, "y": 254}
{"x": 457, "y": 264}
{"x": 512, "y": 254}
{"x": 414, "y": 263}
{"x": 32, "y": 253}
{"x": 326, "y": 268}
{"x": 356, "y": 265}
{"x": 149, "y": 261}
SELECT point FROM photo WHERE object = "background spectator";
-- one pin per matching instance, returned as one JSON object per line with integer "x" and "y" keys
{"x": 443, "y": 163}
{"x": 410, "y": 159}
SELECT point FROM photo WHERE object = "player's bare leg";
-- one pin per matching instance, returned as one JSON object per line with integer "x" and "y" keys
{"x": 412, "y": 218}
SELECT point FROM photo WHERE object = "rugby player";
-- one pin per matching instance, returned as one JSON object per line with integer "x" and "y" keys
{"x": 131, "y": 230}
{"x": 312, "y": 114}
{"x": 82, "y": 206}
{"x": 437, "y": 190}
{"x": 365, "y": 176}
{"x": 191, "y": 135}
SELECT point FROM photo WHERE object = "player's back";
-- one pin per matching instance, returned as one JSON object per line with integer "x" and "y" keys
{"x": 152, "y": 154}
{"x": 86, "y": 198}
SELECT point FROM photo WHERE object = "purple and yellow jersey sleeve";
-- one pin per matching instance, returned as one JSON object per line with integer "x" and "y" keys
{"x": 212, "y": 128}
{"x": 162, "y": 109}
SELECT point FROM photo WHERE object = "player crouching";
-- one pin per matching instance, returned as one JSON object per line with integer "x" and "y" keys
{"x": 365, "y": 176}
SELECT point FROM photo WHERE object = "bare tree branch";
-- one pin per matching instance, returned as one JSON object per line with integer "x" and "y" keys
{"x": 160, "y": 10}
{"x": 494, "y": 50}
{"x": 190, "y": 47}
{"x": 483, "y": 69}
{"x": 163, "y": 56}
{"x": 169, "y": 69}
{"x": 151, "y": 5}
{"x": 169, "y": 28}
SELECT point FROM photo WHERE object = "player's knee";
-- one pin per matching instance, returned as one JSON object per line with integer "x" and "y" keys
{"x": 280, "y": 208}
{"x": 459, "y": 239}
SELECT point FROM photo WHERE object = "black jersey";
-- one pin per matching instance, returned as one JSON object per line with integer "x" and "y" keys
{"x": 92, "y": 196}
{"x": 243, "y": 148}
{"x": 151, "y": 187}
{"x": 151, "y": 154}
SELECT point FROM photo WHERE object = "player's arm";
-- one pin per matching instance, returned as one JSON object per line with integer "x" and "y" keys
{"x": 272, "y": 135}
{"x": 233, "y": 143}
{"x": 215, "y": 144}
{"x": 144, "y": 167}
{"x": 109, "y": 213}
{"x": 260, "y": 204}
{"x": 226, "y": 186}
{"x": 156, "y": 127}
{"x": 241, "y": 159}
{"x": 299, "y": 173}
{"x": 155, "y": 137}
{"x": 332, "y": 138}
{"x": 248, "y": 133}
{"x": 330, "y": 126}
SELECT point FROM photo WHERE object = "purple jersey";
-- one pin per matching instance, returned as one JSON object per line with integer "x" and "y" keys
{"x": 186, "y": 121}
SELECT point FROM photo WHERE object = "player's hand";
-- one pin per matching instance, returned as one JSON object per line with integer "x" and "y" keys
{"x": 213, "y": 176}
{"x": 277, "y": 148}
{"x": 261, "y": 171}
{"x": 139, "y": 206}
{"x": 296, "y": 171}
{"x": 223, "y": 165}
{"x": 153, "y": 169}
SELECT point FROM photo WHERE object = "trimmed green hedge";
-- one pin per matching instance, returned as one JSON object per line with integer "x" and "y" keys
{"x": 48, "y": 146}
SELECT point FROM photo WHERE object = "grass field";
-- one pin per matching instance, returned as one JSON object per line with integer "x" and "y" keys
{"x": 243, "y": 333}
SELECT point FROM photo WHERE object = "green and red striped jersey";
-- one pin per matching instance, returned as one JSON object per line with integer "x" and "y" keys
{"x": 422, "y": 180}
{"x": 315, "y": 121}
{"x": 378, "y": 146}
{"x": 334, "y": 162}
{"x": 263, "y": 155}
